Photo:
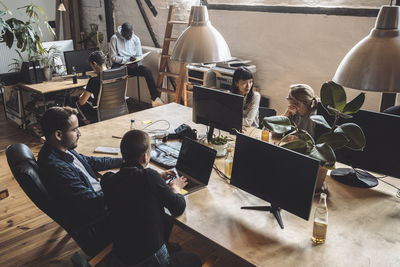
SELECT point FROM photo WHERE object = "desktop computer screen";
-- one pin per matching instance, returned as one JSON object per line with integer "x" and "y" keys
{"x": 62, "y": 46}
{"x": 79, "y": 60}
{"x": 284, "y": 178}
{"x": 382, "y": 142}
{"x": 217, "y": 109}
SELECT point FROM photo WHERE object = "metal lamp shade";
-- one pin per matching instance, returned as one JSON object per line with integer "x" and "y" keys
{"x": 374, "y": 63}
{"x": 200, "y": 42}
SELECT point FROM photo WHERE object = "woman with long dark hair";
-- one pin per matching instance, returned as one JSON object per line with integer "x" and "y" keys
{"x": 242, "y": 84}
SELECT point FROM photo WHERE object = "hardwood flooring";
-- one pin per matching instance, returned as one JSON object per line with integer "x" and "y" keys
{"x": 28, "y": 237}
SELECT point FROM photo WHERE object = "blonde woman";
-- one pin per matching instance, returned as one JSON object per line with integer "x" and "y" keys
{"x": 302, "y": 103}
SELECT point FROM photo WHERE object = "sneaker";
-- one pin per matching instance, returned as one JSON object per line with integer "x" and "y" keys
{"x": 157, "y": 102}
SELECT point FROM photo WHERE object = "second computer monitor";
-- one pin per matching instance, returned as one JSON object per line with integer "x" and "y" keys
{"x": 284, "y": 178}
{"x": 217, "y": 109}
{"x": 78, "y": 60}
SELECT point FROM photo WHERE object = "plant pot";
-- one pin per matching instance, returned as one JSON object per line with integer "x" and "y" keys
{"x": 320, "y": 186}
{"x": 221, "y": 149}
{"x": 47, "y": 73}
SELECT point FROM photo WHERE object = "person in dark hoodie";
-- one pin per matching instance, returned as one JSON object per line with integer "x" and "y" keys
{"x": 137, "y": 196}
{"x": 125, "y": 46}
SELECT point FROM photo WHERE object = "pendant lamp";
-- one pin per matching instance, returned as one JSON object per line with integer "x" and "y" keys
{"x": 200, "y": 42}
{"x": 61, "y": 6}
{"x": 374, "y": 63}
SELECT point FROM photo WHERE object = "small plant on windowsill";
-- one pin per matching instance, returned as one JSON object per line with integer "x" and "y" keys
{"x": 350, "y": 135}
{"x": 220, "y": 143}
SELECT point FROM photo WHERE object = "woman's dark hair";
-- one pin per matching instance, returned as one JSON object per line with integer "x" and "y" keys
{"x": 98, "y": 57}
{"x": 242, "y": 73}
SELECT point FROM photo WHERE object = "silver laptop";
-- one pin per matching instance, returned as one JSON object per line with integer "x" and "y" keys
{"x": 195, "y": 162}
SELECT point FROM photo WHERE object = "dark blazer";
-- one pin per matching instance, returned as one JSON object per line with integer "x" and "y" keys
{"x": 69, "y": 187}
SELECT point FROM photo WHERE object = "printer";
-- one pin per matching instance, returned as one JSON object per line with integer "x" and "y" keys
{"x": 224, "y": 71}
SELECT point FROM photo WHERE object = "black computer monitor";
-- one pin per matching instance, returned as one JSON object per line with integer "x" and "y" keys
{"x": 284, "y": 178}
{"x": 217, "y": 109}
{"x": 382, "y": 133}
{"x": 79, "y": 60}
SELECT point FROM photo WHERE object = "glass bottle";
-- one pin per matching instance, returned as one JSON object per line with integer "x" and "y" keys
{"x": 228, "y": 162}
{"x": 265, "y": 135}
{"x": 132, "y": 124}
{"x": 320, "y": 221}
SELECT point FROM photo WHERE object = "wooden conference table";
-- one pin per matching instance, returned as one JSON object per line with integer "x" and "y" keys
{"x": 363, "y": 229}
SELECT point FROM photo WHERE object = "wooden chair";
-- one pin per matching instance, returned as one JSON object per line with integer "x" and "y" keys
{"x": 111, "y": 101}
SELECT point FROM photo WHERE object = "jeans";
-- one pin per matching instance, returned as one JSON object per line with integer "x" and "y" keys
{"x": 143, "y": 71}
{"x": 161, "y": 259}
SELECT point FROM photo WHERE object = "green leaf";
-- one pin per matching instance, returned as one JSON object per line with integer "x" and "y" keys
{"x": 320, "y": 120}
{"x": 324, "y": 153}
{"x": 354, "y": 105}
{"x": 334, "y": 140}
{"x": 278, "y": 124}
{"x": 333, "y": 95}
{"x": 354, "y": 133}
{"x": 336, "y": 112}
{"x": 297, "y": 145}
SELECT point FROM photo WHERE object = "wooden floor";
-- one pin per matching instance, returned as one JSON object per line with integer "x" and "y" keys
{"x": 30, "y": 238}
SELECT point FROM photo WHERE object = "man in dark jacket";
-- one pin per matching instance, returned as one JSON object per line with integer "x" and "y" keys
{"x": 70, "y": 177}
{"x": 137, "y": 196}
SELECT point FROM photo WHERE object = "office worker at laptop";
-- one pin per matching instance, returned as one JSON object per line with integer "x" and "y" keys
{"x": 70, "y": 177}
{"x": 242, "y": 84}
{"x": 136, "y": 196}
{"x": 125, "y": 46}
{"x": 88, "y": 99}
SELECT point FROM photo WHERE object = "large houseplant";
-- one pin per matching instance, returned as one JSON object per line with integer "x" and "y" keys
{"x": 24, "y": 32}
{"x": 350, "y": 135}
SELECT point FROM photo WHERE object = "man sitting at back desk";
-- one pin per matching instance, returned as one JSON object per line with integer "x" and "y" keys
{"x": 70, "y": 177}
{"x": 124, "y": 47}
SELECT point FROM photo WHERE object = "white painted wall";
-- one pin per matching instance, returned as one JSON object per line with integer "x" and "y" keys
{"x": 48, "y": 6}
{"x": 287, "y": 48}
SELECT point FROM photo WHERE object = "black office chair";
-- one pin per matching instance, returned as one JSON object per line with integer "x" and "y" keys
{"x": 264, "y": 112}
{"x": 25, "y": 170}
{"x": 111, "y": 101}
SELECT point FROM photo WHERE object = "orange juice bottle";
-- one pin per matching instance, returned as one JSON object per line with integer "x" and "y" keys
{"x": 265, "y": 135}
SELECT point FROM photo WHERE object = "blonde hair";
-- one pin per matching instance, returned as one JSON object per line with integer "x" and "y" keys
{"x": 303, "y": 93}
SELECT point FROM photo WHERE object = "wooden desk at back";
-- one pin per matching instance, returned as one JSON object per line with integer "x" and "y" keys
{"x": 363, "y": 227}
{"x": 55, "y": 85}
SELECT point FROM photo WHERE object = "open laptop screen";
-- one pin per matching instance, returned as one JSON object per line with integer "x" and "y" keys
{"x": 196, "y": 160}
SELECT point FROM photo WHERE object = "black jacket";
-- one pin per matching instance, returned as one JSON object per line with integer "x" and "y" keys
{"x": 69, "y": 187}
{"x": 136, "y": 198}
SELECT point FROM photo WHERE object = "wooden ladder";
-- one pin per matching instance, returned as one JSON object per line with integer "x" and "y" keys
{"x": 165, "y": 56}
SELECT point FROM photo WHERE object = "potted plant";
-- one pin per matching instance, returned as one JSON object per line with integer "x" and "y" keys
{"x": 48, "y": 61}
{"x": 220, "y": 144}
{"x": 24, "y": 33}
{"x": 350, "y": 135}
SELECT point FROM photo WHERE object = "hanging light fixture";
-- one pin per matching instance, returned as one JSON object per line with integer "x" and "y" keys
{"x": 200, "y": 42}
{"x": 61, "y": 6}
{"x": 374, "y": 63}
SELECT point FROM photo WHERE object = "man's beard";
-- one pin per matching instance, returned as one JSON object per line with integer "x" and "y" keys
{"x": 68, "y": 144}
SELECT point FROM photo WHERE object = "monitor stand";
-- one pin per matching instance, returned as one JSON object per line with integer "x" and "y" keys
{"x": 210, "y": 133}
{"x": 353, "y": 177}
{"x": 84, "y": 76}
{"x": 272, "y": 209}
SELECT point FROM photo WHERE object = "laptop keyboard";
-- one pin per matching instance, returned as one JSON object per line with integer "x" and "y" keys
{"x": 190, "y": 184}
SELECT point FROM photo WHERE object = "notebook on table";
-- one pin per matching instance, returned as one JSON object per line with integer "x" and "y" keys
{"x": 195, "y": 162}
